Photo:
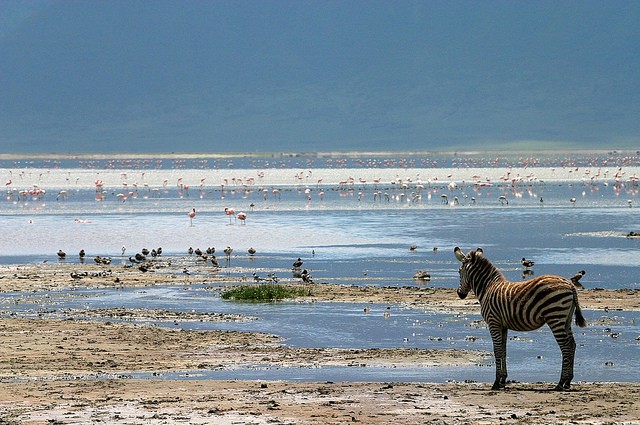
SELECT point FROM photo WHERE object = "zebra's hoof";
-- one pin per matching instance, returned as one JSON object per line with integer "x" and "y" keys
{"x": 560, "y": 387}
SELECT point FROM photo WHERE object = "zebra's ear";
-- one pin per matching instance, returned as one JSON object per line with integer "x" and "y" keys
{"x": 479, "y": 252}
{"x": 459, "y": 254}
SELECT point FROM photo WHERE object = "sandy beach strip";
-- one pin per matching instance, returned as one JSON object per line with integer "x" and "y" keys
{"x": 140, "y": 179}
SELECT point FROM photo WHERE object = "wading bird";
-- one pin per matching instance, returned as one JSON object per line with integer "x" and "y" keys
{"x": 576, "y": 278}
{"x": 230, "y": 212}
{"x": 527, "y": 263}
{"x": 228, "y": 251}
{"x": 242, "y": 217}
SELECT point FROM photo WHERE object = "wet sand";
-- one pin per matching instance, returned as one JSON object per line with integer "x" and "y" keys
{"x": 74, "y": 370}
{"x": 48, "y": 276}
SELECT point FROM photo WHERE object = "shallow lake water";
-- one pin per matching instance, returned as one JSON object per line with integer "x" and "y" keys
{"x": 359, "y": 235}
{"x": 608, "y": 349}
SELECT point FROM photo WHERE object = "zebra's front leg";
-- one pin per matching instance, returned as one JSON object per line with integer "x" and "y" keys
{"x": 499, "y": 338}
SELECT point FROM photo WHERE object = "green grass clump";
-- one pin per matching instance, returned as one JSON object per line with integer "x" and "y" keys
{"x": 264, "y": 292}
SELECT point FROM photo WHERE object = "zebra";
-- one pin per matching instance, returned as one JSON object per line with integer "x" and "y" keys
{"x": 521, "y": 306}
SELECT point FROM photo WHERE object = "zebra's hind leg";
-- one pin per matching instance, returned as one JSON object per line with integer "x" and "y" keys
{"x": 499, "y": 337}
{"x": 567, "y": 344}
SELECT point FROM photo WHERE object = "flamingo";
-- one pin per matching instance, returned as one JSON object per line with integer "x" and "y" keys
{"x": 191, "y": 215}
{"x": 242, "y": 217}
{"x": 230, "y": 212}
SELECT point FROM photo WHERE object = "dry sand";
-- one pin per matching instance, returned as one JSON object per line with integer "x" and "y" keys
{"x": 73, "y": 370}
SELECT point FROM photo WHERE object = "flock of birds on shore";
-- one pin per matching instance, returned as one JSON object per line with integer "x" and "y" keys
{"x": 142, "y": 262}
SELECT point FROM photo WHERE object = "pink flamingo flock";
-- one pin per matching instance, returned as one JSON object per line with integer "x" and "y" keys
{"x": 453, "y": 186}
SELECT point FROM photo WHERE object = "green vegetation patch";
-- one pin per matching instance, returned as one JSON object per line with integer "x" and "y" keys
{"x": 265, "y": 292}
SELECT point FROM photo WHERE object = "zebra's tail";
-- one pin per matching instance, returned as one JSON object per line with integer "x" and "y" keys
{"x": 580, "y": 321}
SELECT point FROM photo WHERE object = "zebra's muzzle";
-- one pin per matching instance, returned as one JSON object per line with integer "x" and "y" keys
{"x": 462, "y": 294}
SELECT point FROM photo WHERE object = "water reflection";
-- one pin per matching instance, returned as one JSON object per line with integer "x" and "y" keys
{"x": 608, "y": 350}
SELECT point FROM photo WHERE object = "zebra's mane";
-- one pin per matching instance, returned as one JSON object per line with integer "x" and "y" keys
{"x": 481, "y": 261}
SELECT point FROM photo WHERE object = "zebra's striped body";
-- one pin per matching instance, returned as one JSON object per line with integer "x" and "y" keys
{"x": 521, "y": 306}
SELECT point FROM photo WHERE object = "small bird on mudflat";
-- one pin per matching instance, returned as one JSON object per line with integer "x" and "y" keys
{"x": 306, "y": 276}
{"x": 527, "y": 263}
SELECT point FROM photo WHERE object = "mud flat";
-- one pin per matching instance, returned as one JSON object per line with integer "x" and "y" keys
{"x": 80, "y": 370}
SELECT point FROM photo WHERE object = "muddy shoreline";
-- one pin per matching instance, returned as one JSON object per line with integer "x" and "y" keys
{"x": 76, "y": 369}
